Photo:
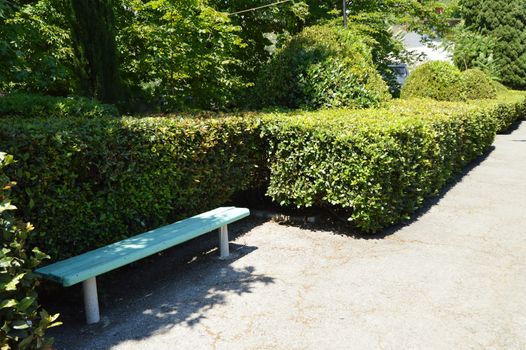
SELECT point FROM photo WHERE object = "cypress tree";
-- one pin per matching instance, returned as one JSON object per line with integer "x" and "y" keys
{"x": 93, "y": 33}
{"x": 504, "y": 22}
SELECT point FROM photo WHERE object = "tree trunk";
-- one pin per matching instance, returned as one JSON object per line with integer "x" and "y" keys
{"x": 93, "y": 33}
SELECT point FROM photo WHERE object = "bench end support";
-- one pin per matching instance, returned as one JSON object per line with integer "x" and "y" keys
{"x": 223, "y": 242}
{"x": 91, "y": 300}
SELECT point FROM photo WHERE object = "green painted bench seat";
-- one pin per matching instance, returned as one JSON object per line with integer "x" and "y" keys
{"x": 96, "y": 262}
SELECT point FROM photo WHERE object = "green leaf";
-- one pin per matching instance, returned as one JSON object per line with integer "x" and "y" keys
{"x": 8, "y": 303}
{"x": 19, "y": 324}
{"x": 25, "y": 303}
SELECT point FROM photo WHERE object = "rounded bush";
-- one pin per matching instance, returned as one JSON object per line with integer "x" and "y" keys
{"x": 438, "y": 80}
{"x": 323, "y": 66}
{"x": 499, "y": 87}
{"x": 478, "y": 85}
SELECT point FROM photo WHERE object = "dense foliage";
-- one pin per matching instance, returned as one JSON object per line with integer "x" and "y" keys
{"x": 36, "y": 52}
{"x": 89, "y": 182}
{"x": 30, "y": 106}
{"x": 477, "y": 85}
{"x": 22, "y": 321}
{"x": 323, "y": 66}
{"x": 443, "y": 81}
{"x": 93, "y": 33}
{"x": 508, "y": 113}
{"x": 178, "y": 54}
{"x": 380, "y": 164}
{"x": 174, "y": 55}
{"x": 495, "y": 35}
{"x": 437, "y": 80}
{"x": 266, "y": 29}
{"x": 170, "y": 54}
{"x": 474, "y": 50}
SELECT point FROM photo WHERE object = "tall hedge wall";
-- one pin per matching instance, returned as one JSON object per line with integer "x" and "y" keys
{"x": 86, "y": 182}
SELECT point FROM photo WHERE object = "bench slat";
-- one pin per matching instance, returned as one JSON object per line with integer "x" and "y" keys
{"x": 101, "y": 260}
{"x": 119, "y": 248}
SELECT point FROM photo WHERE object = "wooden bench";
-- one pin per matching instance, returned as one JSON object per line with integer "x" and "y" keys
{"x": 85, "y": 267}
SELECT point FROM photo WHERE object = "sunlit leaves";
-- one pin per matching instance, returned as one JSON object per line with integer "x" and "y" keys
{"x": 23, "y": 322}
{"x": 379, "y": 165}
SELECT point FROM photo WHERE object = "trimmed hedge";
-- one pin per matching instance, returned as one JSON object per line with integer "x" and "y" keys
{"x": 86, "y": 182}
{"x": 89, "y": 182}
{"x": 477, "y": 85}
{"x": 380, "y": 164}
{"x": 30, "y": 106}
{"x": 509, "y": 107}
{"x": 510, "y": 112}
{"x": 438, "y": 80}
{"x": 443, "y": 81}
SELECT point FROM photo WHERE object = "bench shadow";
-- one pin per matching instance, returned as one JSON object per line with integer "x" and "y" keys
{"x": 331, "y": 222}
{"x": 179, "y": 287}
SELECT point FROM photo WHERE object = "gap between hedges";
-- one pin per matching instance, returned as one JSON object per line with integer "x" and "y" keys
{"x": 86, "y": 182}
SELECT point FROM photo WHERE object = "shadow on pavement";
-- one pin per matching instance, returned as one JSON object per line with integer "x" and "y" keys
{"x": 177, "y": 287}
{"x": 512, "y": 128}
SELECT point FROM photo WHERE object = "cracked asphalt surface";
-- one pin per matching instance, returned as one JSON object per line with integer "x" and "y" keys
{"x": 454, "y": 278}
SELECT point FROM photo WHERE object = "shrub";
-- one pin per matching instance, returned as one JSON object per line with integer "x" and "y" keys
{"x": 477, "y": 85}
{"x": 23, "y": 320}
{"x": 501, "y": 27}
{"x": 29, "y": 106}
{"x": 323, "y": 66}
{"x": 473, "y": 50}
{"x": 88, "y": 182}
{"x": 437, "y": 80}
{"x": 379, "y": 165}
{"x": 499, "y": 87}
{"x": 444, "y": 82}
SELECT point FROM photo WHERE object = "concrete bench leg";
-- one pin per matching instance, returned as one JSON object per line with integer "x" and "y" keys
{"x": 91, "y": 301}
{"x": 223, "y": 242}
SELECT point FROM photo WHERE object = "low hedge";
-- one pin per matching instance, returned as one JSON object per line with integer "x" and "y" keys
{"x": 509, "y": 107}
{"x": 30, "y": 106}
{"x": 510, "y": 112}
{"x": 88, "y": 182}
{"x": 379, "y": 164}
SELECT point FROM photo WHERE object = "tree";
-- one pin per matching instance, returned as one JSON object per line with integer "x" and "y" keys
{"x": 164, "y": 54}
{"x": 500, "y": 28}
{"x": 35, "y": 48}
{"x": 178, "y": 54}
{"x": 93, "y": 33}
{"x": 265, "y": 29}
